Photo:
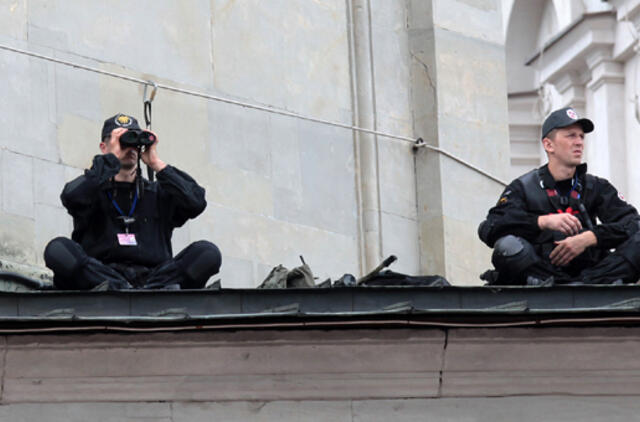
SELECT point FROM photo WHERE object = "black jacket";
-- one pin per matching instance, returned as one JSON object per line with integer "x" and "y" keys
{"x": 163, "y": 206}
{"x": 516, "y": 212}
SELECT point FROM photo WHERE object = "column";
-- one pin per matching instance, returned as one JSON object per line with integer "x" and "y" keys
{"x": 460, "y": 105}
{"x": 606, "y": 147}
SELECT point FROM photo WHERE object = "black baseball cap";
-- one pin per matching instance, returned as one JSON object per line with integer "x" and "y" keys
{"x": 565, "y": 117}
{"x": 119, "y": 120}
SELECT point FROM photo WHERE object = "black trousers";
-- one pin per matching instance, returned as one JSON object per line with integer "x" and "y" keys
{"x": 73, "y": 269}
{"x": 621, "y": 265}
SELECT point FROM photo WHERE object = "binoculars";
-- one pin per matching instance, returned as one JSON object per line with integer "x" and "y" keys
{"x": 137, "y": 139}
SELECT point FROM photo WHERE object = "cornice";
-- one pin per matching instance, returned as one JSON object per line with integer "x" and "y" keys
{"x": 591, "y": 37}
{"x": 585, "y": 18}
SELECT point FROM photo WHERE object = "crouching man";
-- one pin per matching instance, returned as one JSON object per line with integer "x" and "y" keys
{"x": 122, "y": 223}
{"x": 559, "y": 224}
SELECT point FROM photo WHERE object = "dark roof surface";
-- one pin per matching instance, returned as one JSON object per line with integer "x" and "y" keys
{"x": 282, "y": 308}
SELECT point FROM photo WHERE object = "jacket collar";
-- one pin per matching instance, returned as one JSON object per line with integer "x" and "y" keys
{"x": 550, "y": 183}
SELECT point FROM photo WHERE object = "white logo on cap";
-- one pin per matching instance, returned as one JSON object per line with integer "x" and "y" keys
{"x": 572, "y": 114}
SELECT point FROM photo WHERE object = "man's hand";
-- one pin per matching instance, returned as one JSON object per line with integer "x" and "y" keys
{"x": 567, "y": 249}
{"x": 150, "y": 156}
{"x": 562, "y": 222}
{"x": 114, "y": 145}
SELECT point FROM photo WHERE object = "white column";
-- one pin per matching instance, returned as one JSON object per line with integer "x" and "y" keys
{"x": 571, "y": 88}
{"x": 366, "y": 144}
{"x": 606, "y": 146}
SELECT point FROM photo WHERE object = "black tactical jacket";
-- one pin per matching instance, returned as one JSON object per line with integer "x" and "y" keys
{"x": 526, "y": 198}
{"x": 163, "y": 206}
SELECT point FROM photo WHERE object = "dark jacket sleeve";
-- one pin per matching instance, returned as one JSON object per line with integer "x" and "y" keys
{"x": 79, "y": 195}
{"x": 181, "y": 195}
{"x": 619, "y": 219}
{"x": 509, "y": 216}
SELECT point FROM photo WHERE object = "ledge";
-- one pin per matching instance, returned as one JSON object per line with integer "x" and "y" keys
{"x": 51, "y": 311}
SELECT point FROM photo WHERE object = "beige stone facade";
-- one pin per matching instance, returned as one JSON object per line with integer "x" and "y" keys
{"x": 582, "y": 53}
{"x": 278, "y": 187}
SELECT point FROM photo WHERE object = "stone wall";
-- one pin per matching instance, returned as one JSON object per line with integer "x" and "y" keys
{"x": 277, "y": 187}
{"x": 552, "y": 373}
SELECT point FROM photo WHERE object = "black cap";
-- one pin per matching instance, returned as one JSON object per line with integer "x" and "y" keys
{"x": 563, "y": 118}
{"x": 119, "y": 120}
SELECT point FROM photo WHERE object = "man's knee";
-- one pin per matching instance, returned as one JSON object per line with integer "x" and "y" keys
{"x": 512, "y": 255}
{"x": 64, "y": 257}
{"x": 200, "y": 260}
{"x": 630, "y": 250}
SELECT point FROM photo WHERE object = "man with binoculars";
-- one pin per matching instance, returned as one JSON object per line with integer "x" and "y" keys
{"x": 122, "y": 223}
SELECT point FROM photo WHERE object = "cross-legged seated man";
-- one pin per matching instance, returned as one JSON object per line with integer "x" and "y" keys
{"x": 122, "y": 223}
{"x": 559, "y": 224}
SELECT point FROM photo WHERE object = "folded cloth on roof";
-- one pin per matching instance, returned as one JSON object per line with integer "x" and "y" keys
{"x": 392, "y": 278}
{"x": 282, "y": 278}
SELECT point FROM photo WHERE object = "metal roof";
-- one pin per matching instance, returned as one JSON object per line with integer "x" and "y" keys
{"x": 328, "y": 307}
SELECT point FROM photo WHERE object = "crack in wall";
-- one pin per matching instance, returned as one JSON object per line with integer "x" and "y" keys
{"x": 4, "y": 369}
{"x": 442, "y": 363}
{"x": 427, "y": 71}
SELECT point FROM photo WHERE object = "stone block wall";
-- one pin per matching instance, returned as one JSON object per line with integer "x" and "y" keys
{"x": 277, "y": 187}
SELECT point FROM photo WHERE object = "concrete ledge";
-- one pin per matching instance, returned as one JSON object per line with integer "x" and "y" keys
{"x": 577, "y": 360}
{"x": 223, "y": 366}
{"x": 347, "y": 364}
{"x": 523, "y": 409}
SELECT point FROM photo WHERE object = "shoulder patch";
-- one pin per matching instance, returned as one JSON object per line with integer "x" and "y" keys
{"x": 504, "y": 198}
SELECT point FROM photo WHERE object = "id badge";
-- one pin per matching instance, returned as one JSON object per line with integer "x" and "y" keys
{"x": 127, "y": 239}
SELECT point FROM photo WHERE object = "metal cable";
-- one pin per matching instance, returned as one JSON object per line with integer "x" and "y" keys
{"x": 101, "y": 325}
{"x": 257, "y": 107}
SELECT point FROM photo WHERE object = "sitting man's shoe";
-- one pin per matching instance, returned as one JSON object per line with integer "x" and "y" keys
{"x": 537, "y": 282}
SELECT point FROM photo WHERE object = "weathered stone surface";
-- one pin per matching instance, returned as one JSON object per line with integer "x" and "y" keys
{"x": 51, "y": 221}
{"x": 17, "y": 184}
{"x": 561, "y": 408}
{"x": 286, "y": 165}
{"x": 236, "y": 189}
{"x": 400, "y": 238}
{"x": 525, "y": 409}
{"x": 267, "y": 411}
{"x": 48, "y": 182}
{"x": 397, "y": 178}
{"x": 461, "y": 84}
{"x": 180, "y": 238}
{"x": 78, "y": 140}
{"x": 466, "y": 206}
{"x": 105, "y": 33}
{"x": 236, "y": 273}
{"x": 35, "y": 272}
{"x": 580, "y": 361}
{"x": 223, "y": 366}
{"x": 13, "y": 19}
{"x": 327, "y": 199}
{"x": 632, "y": 129}
{"x": 120, "y": 96}
{"x": 391, "y": 64}
{"x": 81, "y": 412}
{"x": 483, "y": 18}
{"x": 1, "y": 188}
{"x": 277, "y": 187}
{"x": 27, "y": 112}
{"x": 472, "y": 118}
{"x": 271, "y": 242}
{"x": 17, "y": 238}
{"x": 283, "y": 57}
{"x": 248, "y": 148}
{"x": 71, "y": 173}
{"x": 182, "y": 125}
{"x": 77, "y": 93}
